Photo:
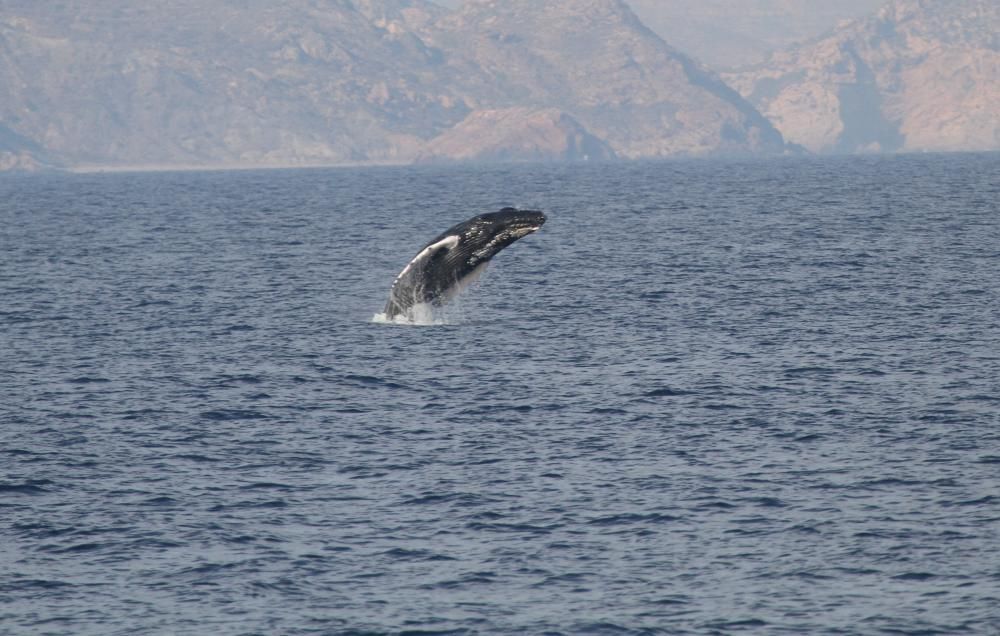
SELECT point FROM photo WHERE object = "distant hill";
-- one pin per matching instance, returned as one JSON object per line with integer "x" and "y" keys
{"x": 918, "y": 75}
{"x": 256, "y": 83}
{"x": 595, "y": 60}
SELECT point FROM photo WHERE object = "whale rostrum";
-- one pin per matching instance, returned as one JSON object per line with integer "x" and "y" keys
{"x": 456, "y": 257}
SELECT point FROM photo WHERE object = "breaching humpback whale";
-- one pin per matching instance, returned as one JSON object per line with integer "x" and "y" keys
{"x": 456, "y": 257}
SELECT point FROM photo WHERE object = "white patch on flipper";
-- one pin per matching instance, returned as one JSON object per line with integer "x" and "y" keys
{"x": 446, "y": 243}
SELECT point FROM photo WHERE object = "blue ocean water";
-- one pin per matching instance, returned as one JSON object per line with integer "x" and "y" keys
{"x": 707, "y": 397}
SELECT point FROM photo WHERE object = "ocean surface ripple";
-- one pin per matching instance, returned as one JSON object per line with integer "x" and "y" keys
{"x": 708, "y": 397}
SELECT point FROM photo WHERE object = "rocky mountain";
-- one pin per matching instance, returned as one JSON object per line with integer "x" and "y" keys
{"x": 220, "y": 82}
{"x": 595, "y": 60}
{"x": 256, "y": 83}
{"x": 917, "y": 75}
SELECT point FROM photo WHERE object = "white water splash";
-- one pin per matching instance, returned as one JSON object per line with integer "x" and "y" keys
{"x": 419, "y": 315}
{"x": 428, "y": 315}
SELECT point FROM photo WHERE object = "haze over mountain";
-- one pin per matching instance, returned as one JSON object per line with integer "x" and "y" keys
{"x": 253, "y": 82}
{"x": 726, "y": 34}
{"x": 731, "y": 33}
{"x": 917, "y": 75}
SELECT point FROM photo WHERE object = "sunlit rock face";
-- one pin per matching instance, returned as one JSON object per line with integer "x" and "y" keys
{"x": 517, "y": 134}
{"x": 303, "y": 82}
{"x": 219, "y": 81}
{"x": 596, "y": 61}
{"x": 918, "y": 75}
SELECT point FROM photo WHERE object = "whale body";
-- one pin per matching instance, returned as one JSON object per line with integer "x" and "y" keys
{"x": 456, "y": 257}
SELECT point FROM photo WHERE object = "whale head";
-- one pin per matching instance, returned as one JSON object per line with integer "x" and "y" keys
{"x": 485, "y": 235}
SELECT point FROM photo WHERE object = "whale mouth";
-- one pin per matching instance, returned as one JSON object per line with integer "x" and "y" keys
{"x": 520, "y": 223}
{"x": 518, "y": 232}
{"x": 525, "y": 222}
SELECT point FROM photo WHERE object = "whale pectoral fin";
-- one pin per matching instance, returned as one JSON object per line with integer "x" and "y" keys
{"x": 428, "y": 256}
{"x": 411, "y": 287}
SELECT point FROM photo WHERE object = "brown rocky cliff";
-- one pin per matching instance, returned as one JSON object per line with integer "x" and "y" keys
{"x": 254, "y": 82}
{"x": 918, "y": 75}
{"x": 595, "y": 60}
{"x": 517, "y": 134}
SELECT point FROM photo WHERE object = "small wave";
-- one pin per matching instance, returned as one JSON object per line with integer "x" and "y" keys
{"x": 267, "y": 485}
{"x": 915, "y": 576}
{"x": 371, "y": 382}
{"x": 224, "y": 415}
{"x": 461, "y": 499}
{"x": 668, "y": 392}
{"x": 76, "y": 548}
{"x": 630, "y": 518}
{"x": 510, "y": 527}
{"x": 88, "y": 380}
{"x": 737, "y": 624}
{"x": 30, "y": 487}
{"x": 400, "y": 554}
{"x": 162, "y": 500}
{"x": 470, "y": 578}
{"x": 32, "y": 584}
